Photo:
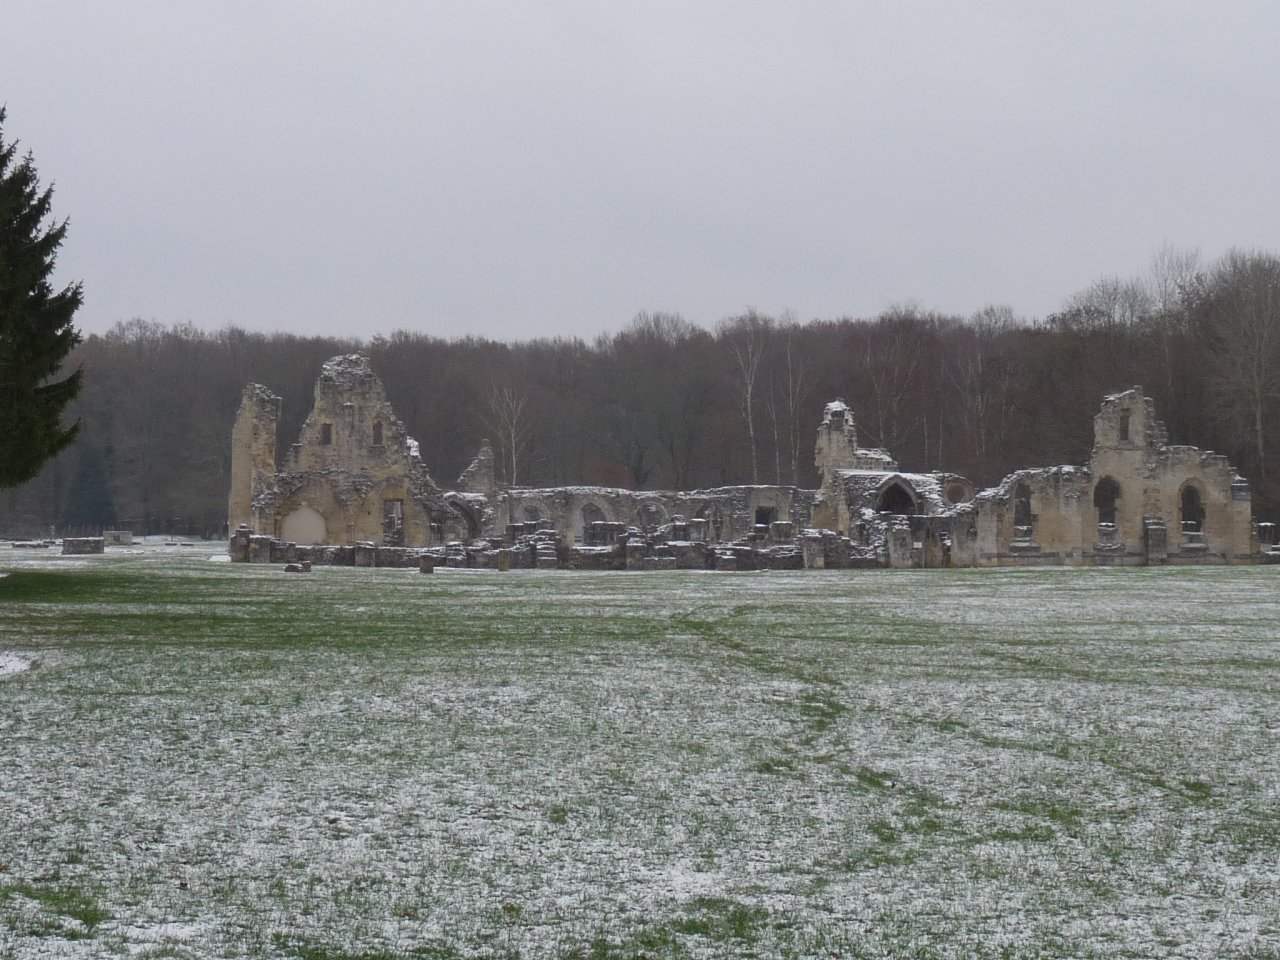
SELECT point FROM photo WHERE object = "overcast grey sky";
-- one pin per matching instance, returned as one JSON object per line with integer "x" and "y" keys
{"x": 552, "y": 168}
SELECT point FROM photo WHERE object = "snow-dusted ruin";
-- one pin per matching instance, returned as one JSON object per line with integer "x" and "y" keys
{"x": 354, "y": 490}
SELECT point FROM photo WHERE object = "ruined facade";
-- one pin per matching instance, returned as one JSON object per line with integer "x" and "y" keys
{"x": 1138, "y": 501}
{"x": 356, "y": 480}
{"x": 858, "y": 484}
{"x": 354, "y": 473}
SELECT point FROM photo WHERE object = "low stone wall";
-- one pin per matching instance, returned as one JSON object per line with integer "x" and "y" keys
{"x": 546, "y": 549}
{"x": 82, "y": 546}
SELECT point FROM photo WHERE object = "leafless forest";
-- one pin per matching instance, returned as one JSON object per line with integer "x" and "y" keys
{"x": 666, "y": 404}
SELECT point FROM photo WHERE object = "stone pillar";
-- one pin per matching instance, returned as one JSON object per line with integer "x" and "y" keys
{"x": 253, "y": 450}
{"x": 238, "y": 548}
{"x": 637, "y": 554}
{"x": 1155, "y": 540}
{"x": 899, "y": 543}
{"x": 815, "y": 552}
{"x": 260, "y": 548}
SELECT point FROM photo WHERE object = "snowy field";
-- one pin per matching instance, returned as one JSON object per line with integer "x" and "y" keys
{"x": 200, "y": 759}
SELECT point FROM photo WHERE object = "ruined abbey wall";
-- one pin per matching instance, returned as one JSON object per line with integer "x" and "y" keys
{"x": 1138, "y": 501}
{"x": 253, "y": 451}
{"x": 354, "y": 473}
{"x": 355, "y": 477}
{"x": 730, "y": 513}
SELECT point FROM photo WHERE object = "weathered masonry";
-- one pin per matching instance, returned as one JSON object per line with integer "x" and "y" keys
{"x": 354, "y": 489}
{"x": 353, "y": 475}
{"x": 1138, "y": 501}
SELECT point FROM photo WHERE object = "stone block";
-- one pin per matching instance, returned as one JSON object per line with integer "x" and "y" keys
{"x": 260, "y": 548}
{"x": 82, "y": 546}
{"x": 814, "y": 552}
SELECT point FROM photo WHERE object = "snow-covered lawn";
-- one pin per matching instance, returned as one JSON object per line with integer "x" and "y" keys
{"x": 216, "y": 760}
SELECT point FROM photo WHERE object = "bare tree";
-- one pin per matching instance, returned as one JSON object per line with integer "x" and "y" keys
{"x": 890, "y": 358}
{"x": 747, "y": 338}
{"x": 509, "y": 420}
{"x": 790, "y": 384}
{"x": 980, "y": 381}
{"x": 1110, "y": 304}
{"x": 1172, "y": 276}
{"x": 1244, "y": 334}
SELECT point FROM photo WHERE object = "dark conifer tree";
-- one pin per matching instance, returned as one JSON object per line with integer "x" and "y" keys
{"x": 35, "y": 324}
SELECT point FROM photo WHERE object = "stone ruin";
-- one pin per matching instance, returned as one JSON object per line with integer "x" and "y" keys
{"x": 354, "y": 490}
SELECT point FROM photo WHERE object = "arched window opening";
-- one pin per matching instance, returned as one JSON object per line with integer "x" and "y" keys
{"x": 1022, "y": 518}
{"x": 468, "y": 517}
{"x": 650, "y": 516}
{"x": 1192, "y": 510}
{"x": 377, "y": 433}
{"x": 1105, "y": 495}
{"x": 896, "y": 499}
{"x": 591, "y": 513}
{"x": 393, "y": 523}
{"x": 1124, "y": 426}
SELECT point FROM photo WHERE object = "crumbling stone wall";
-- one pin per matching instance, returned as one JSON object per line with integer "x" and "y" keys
{"x": 356, "y": 478}
{"x": 479, "y": 477}
{"x": 253, "y": 452}
{"x": 1125, "y": 507}
{"x": 353, "y": 475}
{"x": 730, "y": 512}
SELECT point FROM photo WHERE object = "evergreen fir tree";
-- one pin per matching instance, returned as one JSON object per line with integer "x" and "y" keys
{"x": 35, "y": 324}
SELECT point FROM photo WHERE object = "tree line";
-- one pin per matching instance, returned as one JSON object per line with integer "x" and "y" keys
{"x": 665, "y": 404}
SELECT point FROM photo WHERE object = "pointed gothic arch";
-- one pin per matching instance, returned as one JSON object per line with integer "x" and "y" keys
{"x": 897, "y": 497}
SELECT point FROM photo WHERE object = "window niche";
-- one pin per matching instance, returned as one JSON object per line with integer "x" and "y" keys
{"x": 1192, "y": 510}
{"x": 326, "y": 434}
{"x": 1105, "y": 496}
{"x": 1191, "y": 515}
{"x": 896, "y": 499}
{"x": 1023, "y": 520}
{"x": 1024, "y": 533}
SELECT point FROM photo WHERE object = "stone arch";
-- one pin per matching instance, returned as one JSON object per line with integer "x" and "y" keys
{"x": 896, "y": 497}
{"x": 1022, "y": 516}
{"x": 1106, "y": 497}
{"x": 1191, "y": 512}
{"x": 650, "y": 514}
{"x": 470, "y": 517}
{"x": 591, "y": 510}
{"x": 765, "y": 505}
{"x": 304, "y": 525}
{"x": 529, "y": 509}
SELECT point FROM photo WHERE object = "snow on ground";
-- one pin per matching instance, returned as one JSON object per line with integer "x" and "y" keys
{"x": 235, "y": 762}
{"x": 10, "y": 664}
